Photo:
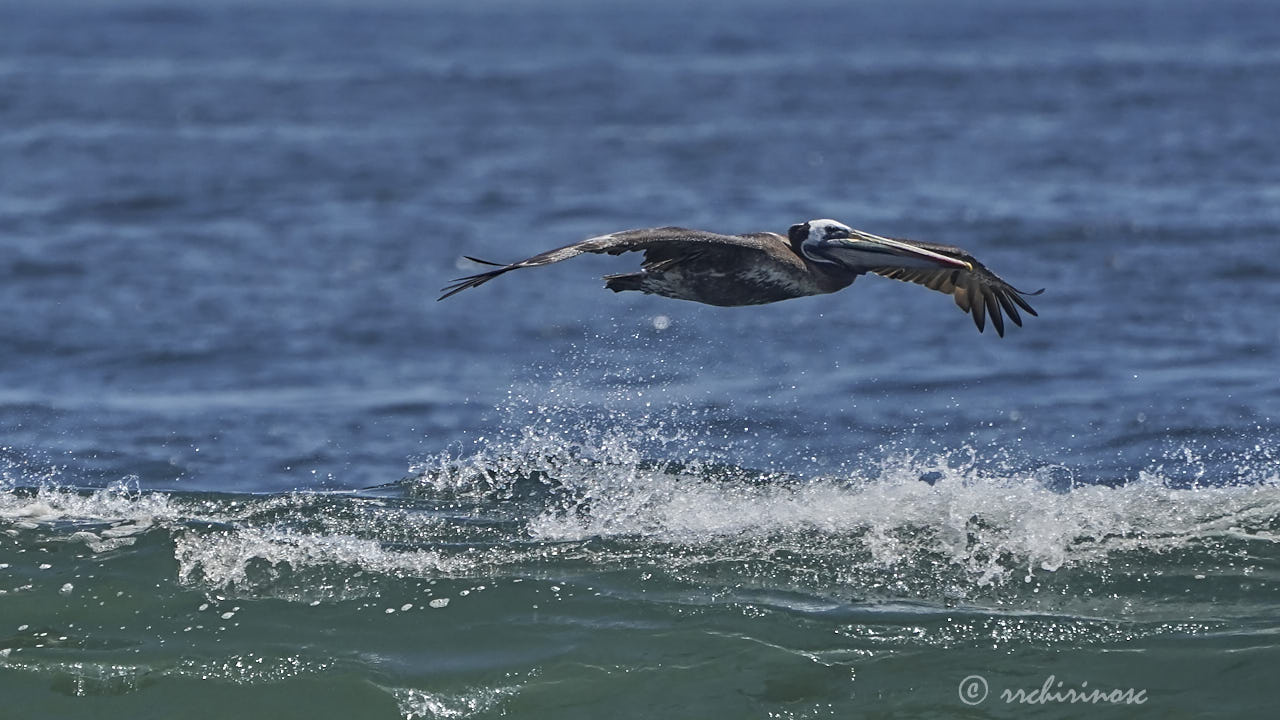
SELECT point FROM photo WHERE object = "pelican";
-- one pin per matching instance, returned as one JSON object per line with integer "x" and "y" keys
{"x": 815, "y": 257}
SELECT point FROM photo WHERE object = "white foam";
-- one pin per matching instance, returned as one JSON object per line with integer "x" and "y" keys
{"x": 993, "y": 524}
{"x": 551, "y": 490}
{"x": 224, "y": 559}
{"x": 423, "y": 705}
{"x": 120, "y": 503}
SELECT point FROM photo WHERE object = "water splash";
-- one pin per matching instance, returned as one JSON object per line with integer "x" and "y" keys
{"x": 955, "y": 523}
{"x": 990, "y": 522}
{"x": 422, "y": 705}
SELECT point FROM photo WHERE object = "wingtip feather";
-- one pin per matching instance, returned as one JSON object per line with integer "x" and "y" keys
{"x": 993, "y": 310}
{"x": 483, "y": 262}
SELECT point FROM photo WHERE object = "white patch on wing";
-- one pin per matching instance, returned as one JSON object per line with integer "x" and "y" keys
{"x": 574, "y": 250}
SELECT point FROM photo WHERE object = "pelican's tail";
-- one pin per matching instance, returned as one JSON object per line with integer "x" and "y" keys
{"x": 627, "y": 281}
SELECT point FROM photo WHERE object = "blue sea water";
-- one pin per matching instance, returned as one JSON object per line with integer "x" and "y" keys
{"x": 249, "y": 467}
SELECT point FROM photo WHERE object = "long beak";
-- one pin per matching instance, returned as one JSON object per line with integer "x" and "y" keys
{"x": 873, "y": 250}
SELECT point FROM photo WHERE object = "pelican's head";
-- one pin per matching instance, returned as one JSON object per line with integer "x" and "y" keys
{"x": 812, "y": 239}
{"x": 834, "y": 243}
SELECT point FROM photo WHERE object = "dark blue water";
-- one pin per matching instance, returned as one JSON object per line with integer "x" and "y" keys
{"x": 225, "y": 381}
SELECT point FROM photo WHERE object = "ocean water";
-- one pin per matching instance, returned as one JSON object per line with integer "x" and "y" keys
{"x": 250, "y": 468}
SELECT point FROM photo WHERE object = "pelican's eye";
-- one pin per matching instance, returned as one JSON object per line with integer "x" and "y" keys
{"x": 837, "y": 232}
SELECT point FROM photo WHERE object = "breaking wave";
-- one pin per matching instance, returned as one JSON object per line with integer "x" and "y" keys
{"x": 913, "y": 524}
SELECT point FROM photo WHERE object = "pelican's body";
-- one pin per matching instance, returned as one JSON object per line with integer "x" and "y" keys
{"x": 725, "y": 270}
{"x": 816, "y": 257}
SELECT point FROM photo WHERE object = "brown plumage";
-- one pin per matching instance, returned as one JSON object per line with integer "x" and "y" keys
{"x": 817, "y": 257}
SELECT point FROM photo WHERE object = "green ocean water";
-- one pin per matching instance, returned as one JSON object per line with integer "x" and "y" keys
{"x": 579, "y": 589}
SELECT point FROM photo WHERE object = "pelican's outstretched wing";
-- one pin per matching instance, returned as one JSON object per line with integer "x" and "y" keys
{"x": 663, "y": 247}
{"x": 978, "y": 291}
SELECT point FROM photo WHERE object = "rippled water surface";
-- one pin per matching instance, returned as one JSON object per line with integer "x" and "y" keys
{"x": 250, "y": 467}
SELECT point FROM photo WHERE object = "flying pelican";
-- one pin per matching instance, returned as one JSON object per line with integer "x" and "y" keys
{"x": 816, "y": 257}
